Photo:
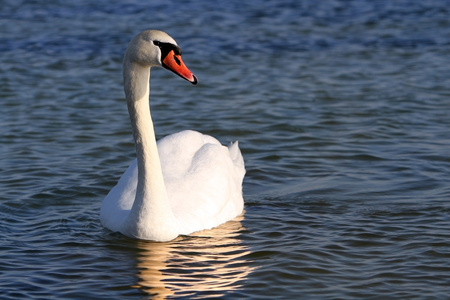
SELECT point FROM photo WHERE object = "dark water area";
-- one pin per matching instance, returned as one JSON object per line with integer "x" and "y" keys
{"x": 342, "y": 113}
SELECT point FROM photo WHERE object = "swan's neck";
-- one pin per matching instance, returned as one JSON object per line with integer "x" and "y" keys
{"x": 151, "y": 216}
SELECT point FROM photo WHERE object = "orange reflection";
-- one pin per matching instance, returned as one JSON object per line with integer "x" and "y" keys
{"x": 210, "y": 260}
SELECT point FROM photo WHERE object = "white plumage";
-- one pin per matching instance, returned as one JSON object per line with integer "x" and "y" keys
{"x": 184, "y": 183}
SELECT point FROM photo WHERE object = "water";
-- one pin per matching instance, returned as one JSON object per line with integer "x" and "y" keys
{"x": 342, "y": 112}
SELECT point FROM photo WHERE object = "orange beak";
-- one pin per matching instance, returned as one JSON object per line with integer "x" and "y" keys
{"x": 175, "y": 64}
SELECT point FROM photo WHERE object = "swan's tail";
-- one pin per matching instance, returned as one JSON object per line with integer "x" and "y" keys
{"x": 236, "y": 157}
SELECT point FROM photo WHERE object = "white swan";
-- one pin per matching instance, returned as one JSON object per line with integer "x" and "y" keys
{"x": 184, "y": 183}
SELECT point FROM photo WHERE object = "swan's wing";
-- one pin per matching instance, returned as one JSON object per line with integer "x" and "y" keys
{"x": 203, "y": 180}
{"x": 118, "y": 202}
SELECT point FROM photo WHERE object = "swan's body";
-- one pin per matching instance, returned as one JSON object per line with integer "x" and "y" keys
{"x": 184, "y": 183}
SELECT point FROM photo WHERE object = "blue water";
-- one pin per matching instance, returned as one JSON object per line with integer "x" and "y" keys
{"x": 342, "y": 112}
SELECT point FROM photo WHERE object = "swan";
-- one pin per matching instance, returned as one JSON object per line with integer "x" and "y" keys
{"x": 185, "y": 182}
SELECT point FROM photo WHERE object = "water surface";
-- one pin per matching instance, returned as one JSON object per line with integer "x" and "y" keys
{"x": 342, "y": 112}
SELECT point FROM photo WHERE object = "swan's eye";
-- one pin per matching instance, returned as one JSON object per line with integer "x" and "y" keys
{"x": 167, "y": 47}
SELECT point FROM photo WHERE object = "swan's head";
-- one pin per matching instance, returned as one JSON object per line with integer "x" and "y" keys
{"x": 154, "y": 48}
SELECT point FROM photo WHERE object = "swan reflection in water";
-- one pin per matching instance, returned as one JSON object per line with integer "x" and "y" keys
{"x": 211, "y": 262}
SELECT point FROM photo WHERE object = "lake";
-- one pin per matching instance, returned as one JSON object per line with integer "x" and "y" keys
{"x": 342, "y": 113}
